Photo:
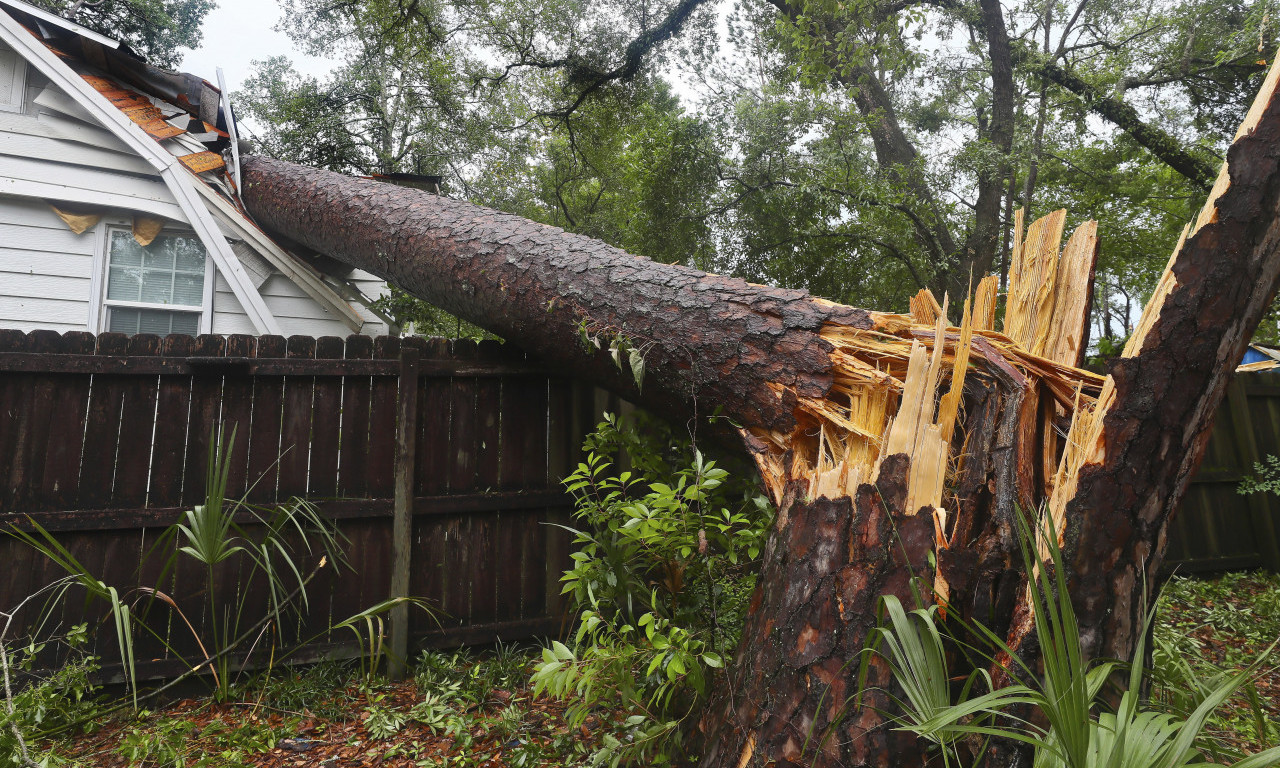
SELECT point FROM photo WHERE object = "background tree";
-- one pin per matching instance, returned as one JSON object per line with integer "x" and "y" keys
{"x": 156, "y": 29}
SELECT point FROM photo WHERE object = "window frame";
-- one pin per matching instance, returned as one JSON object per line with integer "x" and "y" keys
{"x": 100, "y": 305}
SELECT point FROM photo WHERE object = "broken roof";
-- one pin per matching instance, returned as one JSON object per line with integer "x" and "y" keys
{"x": 191, "y": 120}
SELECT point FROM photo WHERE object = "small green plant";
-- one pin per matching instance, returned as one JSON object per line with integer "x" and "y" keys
{"x": 164, "y": 743}
{"x": 1207, "y": 628}
{"x": 1078, "y": 732}
{"x": 67, "y": 695}
{"x": 1265, "y": 477}
{"x": 510, "y": 721}
{"x": 383, "y": 722}
{"x": 662, "y": 552}
{"x": 297, "y": 689}
{"x": 433, "y": 712}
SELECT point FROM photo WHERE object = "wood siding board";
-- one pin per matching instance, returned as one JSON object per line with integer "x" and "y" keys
{"x": 21, "y": 285}
{"x": 44, "y": 311}
{"x": 14, "y": 262}
{"x": 70, "y": 153}
{"x": 49, "y": 125}
{"x": 87, "y": 180}
{"x": 37, "y": 234}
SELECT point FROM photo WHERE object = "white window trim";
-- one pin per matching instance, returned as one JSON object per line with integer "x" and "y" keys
{"x": 19, "y": 93}
{"x": 98, "y": 302}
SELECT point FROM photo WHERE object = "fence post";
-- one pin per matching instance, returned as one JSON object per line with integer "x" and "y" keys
{"x": 1263, "y": 523}
{"x": 402, "y": 524}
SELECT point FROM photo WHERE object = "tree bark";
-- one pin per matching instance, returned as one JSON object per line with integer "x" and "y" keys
{"x": 799, "y": 375}
{"x": 708, "y": 341}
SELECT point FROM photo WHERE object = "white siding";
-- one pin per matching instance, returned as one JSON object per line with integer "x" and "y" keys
{"x": 52, "y": 149}
{"x": 374, "y": 288}
{"x": 27, "y": 177}
{"x": 46, "y": 112}
{"x": 296, "y": 312}
{"x": 228, "y": 316}
{"x": 13, "y": 71}
{"x": 45, "y": 269}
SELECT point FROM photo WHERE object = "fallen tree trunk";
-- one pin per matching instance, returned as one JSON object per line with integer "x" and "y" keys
{"x": 889, "y": 442}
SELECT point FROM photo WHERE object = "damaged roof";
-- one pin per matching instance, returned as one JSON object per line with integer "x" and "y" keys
{"x": 191, "y": 120}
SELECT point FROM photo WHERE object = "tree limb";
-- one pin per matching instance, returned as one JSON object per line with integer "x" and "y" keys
{"x": 1122, "y": 114}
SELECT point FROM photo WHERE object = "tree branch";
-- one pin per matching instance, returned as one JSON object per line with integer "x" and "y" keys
{"x": 1122, "y": 114}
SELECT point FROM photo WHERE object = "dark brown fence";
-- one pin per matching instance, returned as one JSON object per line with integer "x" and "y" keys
{"x": 104, "y": 441}
{"x": 460, "y": 446}
{"x": 1217, "y": 528}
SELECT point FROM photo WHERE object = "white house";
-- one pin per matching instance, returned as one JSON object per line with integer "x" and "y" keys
{"x": 118, "y": 211}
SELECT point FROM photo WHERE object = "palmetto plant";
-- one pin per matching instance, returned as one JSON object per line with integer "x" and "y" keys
{"x": 1081, "y": 732}
{"x": 280, "y": 547}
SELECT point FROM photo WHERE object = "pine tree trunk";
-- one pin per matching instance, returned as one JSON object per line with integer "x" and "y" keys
{"x": 707, "y": 341}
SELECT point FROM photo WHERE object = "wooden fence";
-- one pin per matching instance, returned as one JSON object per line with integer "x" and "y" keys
{"x": 453, "y": 447}
{"x": 457, "y": 446}
{"x": 1216, "y": 528}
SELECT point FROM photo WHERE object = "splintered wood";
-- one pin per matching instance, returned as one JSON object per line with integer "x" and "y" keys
{"x": 900, "y": 386}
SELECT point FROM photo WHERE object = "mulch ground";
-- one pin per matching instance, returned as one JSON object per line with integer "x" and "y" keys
{"x": 347, "y": 743}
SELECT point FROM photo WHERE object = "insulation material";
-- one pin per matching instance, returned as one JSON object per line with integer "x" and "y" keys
{"x": 146, "y": 229}
{"x": 78, "y": 220}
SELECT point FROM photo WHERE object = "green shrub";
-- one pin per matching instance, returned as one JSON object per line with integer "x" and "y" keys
{"x": 65, "y": 696}
{"x": 662, "y": 559}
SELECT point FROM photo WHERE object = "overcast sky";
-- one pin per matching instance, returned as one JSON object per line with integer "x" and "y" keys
{"x": 236, "y": 33}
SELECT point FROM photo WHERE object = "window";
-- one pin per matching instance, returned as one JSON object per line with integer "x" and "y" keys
{"x": 157, "y": 289}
